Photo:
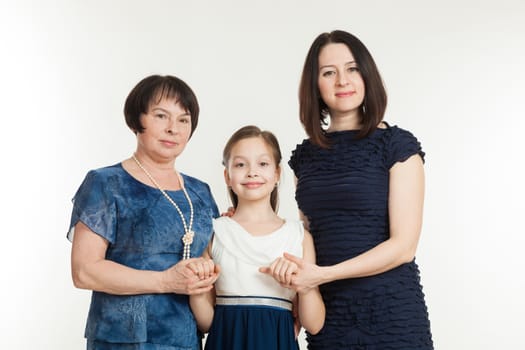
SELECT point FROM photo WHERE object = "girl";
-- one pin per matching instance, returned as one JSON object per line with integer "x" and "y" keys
{"x": 252, "y": 304}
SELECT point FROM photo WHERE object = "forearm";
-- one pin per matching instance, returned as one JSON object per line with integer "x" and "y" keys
{"x": 311, "y": 310}
{"x": 384, "y": 257}
{"x": 113, "y": 278}
{"x": 202, "y": 306}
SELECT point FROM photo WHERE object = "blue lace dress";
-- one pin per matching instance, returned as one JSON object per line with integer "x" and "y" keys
{"x": 344, "y": 193}
{"x": 144, "y": 232}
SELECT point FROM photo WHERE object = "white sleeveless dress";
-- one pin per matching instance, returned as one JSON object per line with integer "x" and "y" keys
{"x": 252, "y": 310}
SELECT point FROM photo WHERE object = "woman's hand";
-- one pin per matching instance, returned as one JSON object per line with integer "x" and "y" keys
{"x": 229, "y": 213}
{"x": 191, "y": 276}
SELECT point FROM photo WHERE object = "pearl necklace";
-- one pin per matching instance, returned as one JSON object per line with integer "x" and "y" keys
{"x": 187, "y": 239}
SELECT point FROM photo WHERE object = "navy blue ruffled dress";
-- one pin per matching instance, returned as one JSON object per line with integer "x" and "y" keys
{"x": 343, "y": 191}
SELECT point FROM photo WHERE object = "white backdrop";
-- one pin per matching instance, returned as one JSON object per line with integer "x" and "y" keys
{"x": 453, "y": 70}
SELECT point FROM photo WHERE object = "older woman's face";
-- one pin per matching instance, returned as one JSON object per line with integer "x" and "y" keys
{"x": 340, "y": 83}
{"x": 167, "y": 129}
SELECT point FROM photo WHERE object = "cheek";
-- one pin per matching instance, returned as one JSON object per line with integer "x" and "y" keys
{"x": 323, "y": 88}
{"x": 359, "y": 83}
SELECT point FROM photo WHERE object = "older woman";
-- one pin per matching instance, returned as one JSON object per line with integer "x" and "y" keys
{"x": 139, "y": 225}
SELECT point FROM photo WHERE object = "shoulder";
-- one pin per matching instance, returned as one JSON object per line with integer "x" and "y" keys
{"x": 199, "y": 187}
{"x": 221, "y": 220}
{"x": 296, "y": 227}
{"x": 395, "y": 131}
{"x": 303, "y": 154}
{"x": 193, "y": 182}
{"x": 401, "y": 144}
{"x": 103, "y": 175}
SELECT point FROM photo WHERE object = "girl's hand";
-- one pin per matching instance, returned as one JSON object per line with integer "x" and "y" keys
{"x": 185, "y": 276}
{"x": 203, "y": 268}
{"x": 281, "y": 270}
{"x": 295, "y": 273}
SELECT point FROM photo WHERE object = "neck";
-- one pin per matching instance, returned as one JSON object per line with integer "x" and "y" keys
{"x": 348, "y": 121}
{"x": 254, "y": 211}
{"x": 155, "y": 163}
{"x": 257, "y": 222}
{"x": 163, "y": 174}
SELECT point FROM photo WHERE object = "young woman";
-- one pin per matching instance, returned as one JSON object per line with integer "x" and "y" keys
{"x": 360, "y": 187}
{"x": 252, "y": 307}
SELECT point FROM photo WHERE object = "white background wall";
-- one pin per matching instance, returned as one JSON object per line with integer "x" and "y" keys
{"x": 453, "y": 70}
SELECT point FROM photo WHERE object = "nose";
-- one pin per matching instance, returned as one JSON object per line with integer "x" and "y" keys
{"x": 170, "y": 126}
{"x": 341, "y": 80}
{"x": 252, "y": 173}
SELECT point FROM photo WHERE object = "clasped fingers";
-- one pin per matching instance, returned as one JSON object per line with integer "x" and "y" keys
{"x": 203, "y": 268}
{"x": 282, "y": 270}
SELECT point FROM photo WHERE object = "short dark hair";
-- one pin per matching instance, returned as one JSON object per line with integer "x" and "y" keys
{"x": 313, "y": 110}
{"x": 158, "y": 87}
{"x": 269, "y": 138}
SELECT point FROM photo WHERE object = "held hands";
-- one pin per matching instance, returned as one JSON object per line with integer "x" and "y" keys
{"x": 191, "y": 276}
{"x": 294, "y": 273}
{"x": 281, "y": 270}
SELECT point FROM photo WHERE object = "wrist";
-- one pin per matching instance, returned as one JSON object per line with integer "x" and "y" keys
{"x": 160, "y": 281}
{"x": 327, "y": 274}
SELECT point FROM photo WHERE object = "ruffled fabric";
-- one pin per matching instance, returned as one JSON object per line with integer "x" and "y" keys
{"x": 344, "y": 193}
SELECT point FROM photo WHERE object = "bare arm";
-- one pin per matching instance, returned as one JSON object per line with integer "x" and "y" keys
{"x": 203, "y": 304}
{"x": 91, "y": 270}
{"x": 405, "y": 206}
{"x": 311, "y": 308}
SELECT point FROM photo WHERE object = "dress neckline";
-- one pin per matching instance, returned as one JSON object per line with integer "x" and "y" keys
{"x": 146, "y": 185}
{"x": 256, "y": 236}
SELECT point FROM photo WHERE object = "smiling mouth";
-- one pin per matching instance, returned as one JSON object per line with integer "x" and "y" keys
{"x": 345, "y": 94}
{"x": 169, "y": 143}
{"x": 252, "y": 184}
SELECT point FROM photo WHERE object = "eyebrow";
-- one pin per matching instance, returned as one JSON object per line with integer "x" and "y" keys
{"x": 185, "y": 113}
{"x": 333, "y": 65}
{"x": 159, "y": 108}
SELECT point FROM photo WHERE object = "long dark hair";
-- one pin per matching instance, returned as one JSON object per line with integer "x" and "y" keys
{"x": 269, "y": 138}
{"x": 312, "y": 109}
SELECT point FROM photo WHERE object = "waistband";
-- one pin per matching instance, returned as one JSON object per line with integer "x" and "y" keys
{"x": 254, "y": 300}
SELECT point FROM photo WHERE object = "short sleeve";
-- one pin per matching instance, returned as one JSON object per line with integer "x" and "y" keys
{"x": 402, "y": 146}
{"x": 213, "y": 205}
{"x": 94, "y": 205}
{"x": 295, "y": 160}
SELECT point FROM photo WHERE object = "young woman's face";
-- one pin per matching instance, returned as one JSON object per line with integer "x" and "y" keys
{"x": 251, "y": 170}
{"x": 167, "y": 129}
{"x": 340, "y": 83}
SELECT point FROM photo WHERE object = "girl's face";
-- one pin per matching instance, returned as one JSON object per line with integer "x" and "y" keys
{"x": 167, "y": 129}
{"x": 251, "y": 170}
{"x": 340, "y": 83}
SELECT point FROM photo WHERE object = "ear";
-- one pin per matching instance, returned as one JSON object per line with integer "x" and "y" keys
{"x": 278, "y": 174}
{"x": 227, "y": 178}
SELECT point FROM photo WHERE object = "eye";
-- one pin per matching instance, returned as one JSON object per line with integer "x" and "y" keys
{"x": 161, "y": 115}
{"x": 184, "y": 120}
{"x": 353, "y": 69}
{"x": 264, "y": 164}
{"x": 328, "y": 73}
{"x": 238, "y": 165}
